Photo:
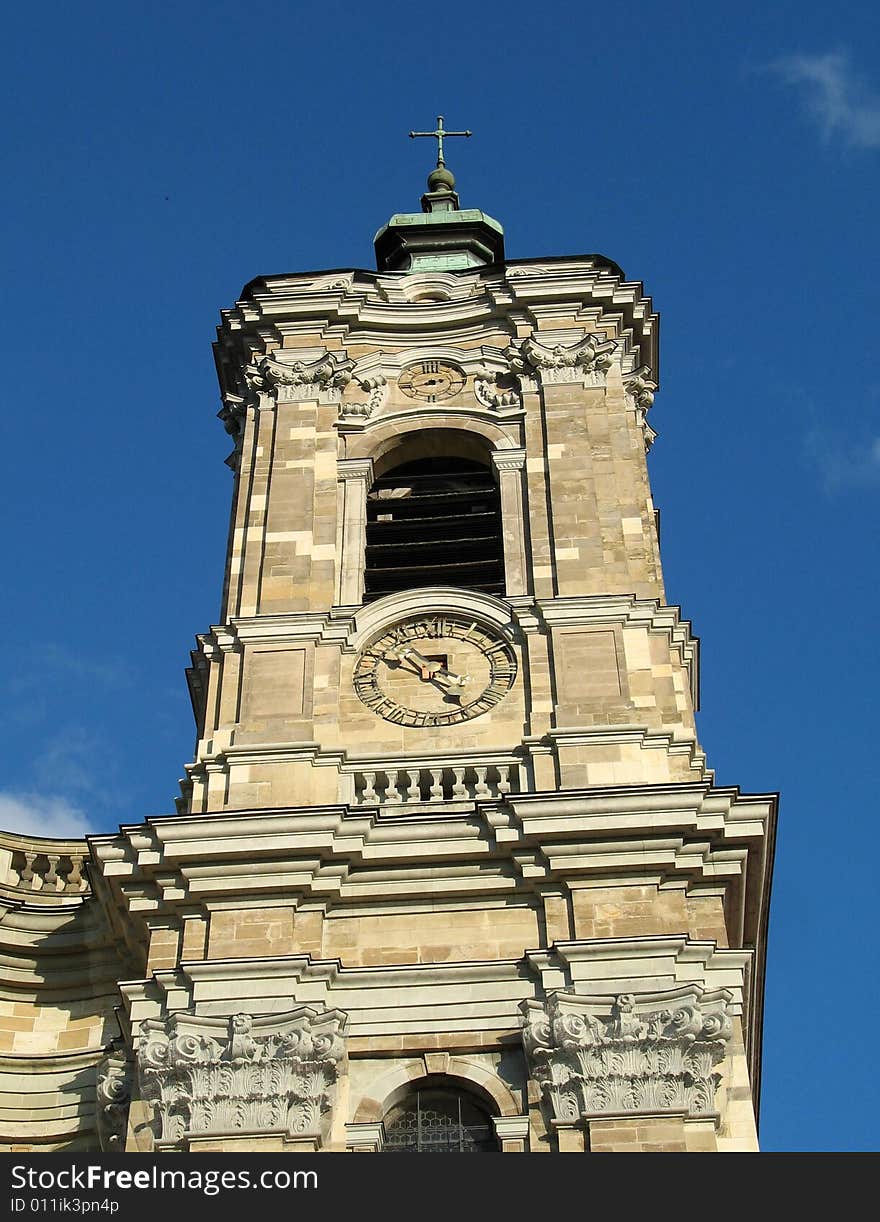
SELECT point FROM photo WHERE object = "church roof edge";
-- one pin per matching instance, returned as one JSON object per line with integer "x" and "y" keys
{"x": 603, "y": 261}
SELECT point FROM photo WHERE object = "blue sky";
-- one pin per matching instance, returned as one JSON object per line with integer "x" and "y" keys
{"x": 158, "y": 157}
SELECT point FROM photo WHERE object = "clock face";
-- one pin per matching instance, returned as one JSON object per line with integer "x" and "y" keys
{"x": 430, "y": 381}
{"x": 435, "y": 670}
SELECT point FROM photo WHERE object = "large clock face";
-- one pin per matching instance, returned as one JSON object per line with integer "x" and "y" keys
{"x": 430, "y": 381}
{"x": 435, "y": 670}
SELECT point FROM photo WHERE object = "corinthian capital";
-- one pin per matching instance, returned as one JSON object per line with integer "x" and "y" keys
{"x": 586, "y": 361}
{"x": 294, "y": 379}
{"x": 638, "y": 1054}
{"x": 209, "y": 1075}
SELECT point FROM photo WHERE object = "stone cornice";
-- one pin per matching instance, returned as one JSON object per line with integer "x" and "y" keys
{"x": 734, "y": 815}
{"x": 235, "y": 754}
{"x": 489, "y": 993}
{"x": 471, "y": 360}
{"x": 262, "y": 629}
{"x": 346, "y": 626}
{"x": 595, "y": 959}
{"x": 686, "y": 747}
{"x": 693, "y": 806}
{"x": 691, "y": 834}
{"x": 364, "y": 307}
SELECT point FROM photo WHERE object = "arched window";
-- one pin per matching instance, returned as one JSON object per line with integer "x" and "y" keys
{"x": 439, "y": 1120}
{"x": 434, "y": 521}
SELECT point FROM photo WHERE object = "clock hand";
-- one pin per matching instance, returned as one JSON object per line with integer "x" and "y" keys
{"x": 425, "y": 666}
{"x": 429, "y": 670}
{"x": 450, "y": 678}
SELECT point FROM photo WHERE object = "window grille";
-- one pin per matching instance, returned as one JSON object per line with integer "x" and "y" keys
{"x": 439, "y": 1122}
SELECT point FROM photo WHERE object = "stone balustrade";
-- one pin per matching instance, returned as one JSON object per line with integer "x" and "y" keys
{"x": 43, "y": 868}
{"x": 416, "y": 785}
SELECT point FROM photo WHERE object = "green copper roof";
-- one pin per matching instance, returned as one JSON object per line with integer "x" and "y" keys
{"x": 442, "y": 235}
{"x": 458, "y": 217}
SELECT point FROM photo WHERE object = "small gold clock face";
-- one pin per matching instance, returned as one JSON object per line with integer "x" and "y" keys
{"x": 430, "y": 381}
{"x": 435, "y": 670}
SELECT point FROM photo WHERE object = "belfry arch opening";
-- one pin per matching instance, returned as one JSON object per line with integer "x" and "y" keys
{"x": 434, "y": 518}
{"x": 439, "y": 1118}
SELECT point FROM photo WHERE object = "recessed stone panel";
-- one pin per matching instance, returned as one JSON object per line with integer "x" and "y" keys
{"x": 274, "y": 683}
{"x": 589, "y": 673}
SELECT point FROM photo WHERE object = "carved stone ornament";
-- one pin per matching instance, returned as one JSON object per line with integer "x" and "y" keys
{"x": 592, "y": 1060}
{"x": 113, "y": 1096}
{"x": 338, "y": 282}
{"x": 294, "y": 380}
{"x": 233, "y": 414}
{"x": 375, "y": 386}
{"x": 250, "y": 1075}
{"x": 496, "y": 389}
{"x": 586, "y": 361}
{"x": 641, "y": 390}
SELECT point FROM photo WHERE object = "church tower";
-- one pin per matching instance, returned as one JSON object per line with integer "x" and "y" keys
{"x": 449, "y": 869}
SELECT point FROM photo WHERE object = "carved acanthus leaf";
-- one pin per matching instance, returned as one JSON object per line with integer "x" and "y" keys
{"x": 205, "y": 1075}
{"x": 327, "y": 373}
{"x": 594, "y": 1060}
{"x": 592, "y": 355}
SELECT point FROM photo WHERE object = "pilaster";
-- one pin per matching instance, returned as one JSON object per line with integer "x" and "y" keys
{"x": 355, "y": 477}
{"x": 510, "y": 465}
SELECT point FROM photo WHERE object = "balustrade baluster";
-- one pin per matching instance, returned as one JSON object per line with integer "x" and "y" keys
{"x": 413, "y": 791}
{"x": 74, "y": 877}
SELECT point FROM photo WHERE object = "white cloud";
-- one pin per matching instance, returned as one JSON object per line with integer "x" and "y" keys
{"x": 73, "y": 757}
{"x": 844, "y": 106}
{"x": 841, "y": 463}
{"x": 111, "y": 672}
{"x": 32, "y": 814}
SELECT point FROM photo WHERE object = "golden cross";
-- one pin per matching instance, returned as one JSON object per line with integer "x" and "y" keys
{"x": 438, "y": 135}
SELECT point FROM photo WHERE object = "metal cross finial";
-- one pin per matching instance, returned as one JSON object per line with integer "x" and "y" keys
{"x": 438, "y": 136}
